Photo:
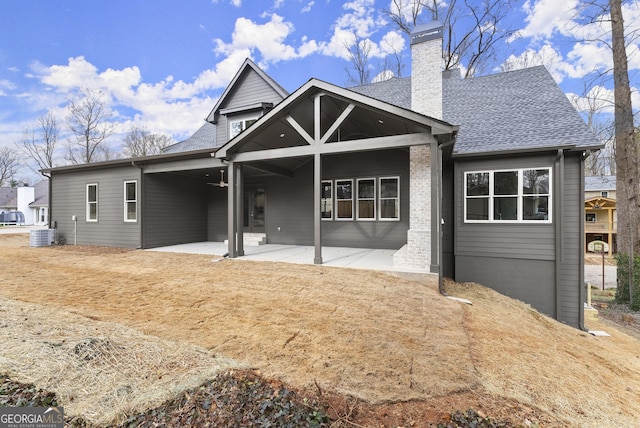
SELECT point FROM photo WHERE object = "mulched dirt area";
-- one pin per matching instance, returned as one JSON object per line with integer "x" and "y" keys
{"x": 371, "y": 349}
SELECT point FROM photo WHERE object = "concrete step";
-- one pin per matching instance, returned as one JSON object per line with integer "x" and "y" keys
{"x": 252, "y": 239}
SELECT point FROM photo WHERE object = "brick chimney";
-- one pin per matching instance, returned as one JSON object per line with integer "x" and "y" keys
{"x": 426, "y": 69}
{"x": 426, "y": 98}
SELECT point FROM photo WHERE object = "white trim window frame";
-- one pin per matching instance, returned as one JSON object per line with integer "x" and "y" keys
{"x": 236, "y": 126}
{"x": 92, "y": 202}
{"x": 130, "y": 196}
{"x": 366, "y": 199}
{"x": 389, "y": 199}
{"x": 326, "y": 200}
{"x": 521, "y": 195}
{"x": 344, "y": 199}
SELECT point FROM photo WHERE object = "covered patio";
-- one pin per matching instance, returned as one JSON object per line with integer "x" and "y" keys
{"x": 355, "y": 258}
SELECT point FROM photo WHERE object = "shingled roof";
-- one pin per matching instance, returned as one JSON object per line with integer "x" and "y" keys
{"x": 203, "y": 138}
{"x": 513, "y": 111}
{"x": 600, "y": 182}
{"x": 8, "y": 197}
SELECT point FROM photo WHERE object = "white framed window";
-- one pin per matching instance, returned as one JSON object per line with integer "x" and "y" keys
{"x": 604, "y": 194}
{"x": 515, "y": 196}
{"x": 92, "y": 202}
{"x": 590, "y": 217}
{"x": 326, "y": 200}
{"x": 366, "y": 196}
{"x": 344, "y": 199}
{"x": 239, "y": 125}
{"x": 131, "y": 201}
{"x": 389, "y": 198}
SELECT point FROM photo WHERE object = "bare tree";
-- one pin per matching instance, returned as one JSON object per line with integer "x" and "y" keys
{"x": 592, "y": 103}
{"x": 88, "y": 121}
{"x": 358, "y": 73}
{"x": 627, "y": 180}
{"x": 472, "y": 29}
{"x": 8, "y": 165}
{"x": 140, "y": 142}
{"x": 39, "y": 142}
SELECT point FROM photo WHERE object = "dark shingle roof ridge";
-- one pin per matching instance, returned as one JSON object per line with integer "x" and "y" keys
{"x": 600, "y": 182}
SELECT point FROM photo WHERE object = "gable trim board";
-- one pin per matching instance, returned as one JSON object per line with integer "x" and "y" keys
{"x": 322, "y": 132}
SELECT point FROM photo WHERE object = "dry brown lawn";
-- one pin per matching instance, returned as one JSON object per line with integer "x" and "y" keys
{"x": 371, "y": 335}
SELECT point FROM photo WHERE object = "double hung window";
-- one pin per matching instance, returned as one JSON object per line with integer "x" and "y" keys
{"x": 366, "y": 199}
{"x": 344, "y": 199}
{"x": 130, "y": 201}
{"x": 326, "y": 200}
{"x": 389, "y": 198}
{"x": 92, "y": 202}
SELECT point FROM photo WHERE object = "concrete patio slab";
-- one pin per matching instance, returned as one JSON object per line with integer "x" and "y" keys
{"x": 356, "y": 258}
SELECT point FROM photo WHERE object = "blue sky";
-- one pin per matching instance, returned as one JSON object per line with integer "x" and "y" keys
{"x": 163, "y": 63}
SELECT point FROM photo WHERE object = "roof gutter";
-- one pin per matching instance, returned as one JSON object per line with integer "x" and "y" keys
{"x": 440, "y": 219}
{"x": 517, "y": 151}
{"x": 140, "y": 197}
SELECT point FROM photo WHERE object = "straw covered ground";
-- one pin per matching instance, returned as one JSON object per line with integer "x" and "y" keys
{"x": 114, "y": 331}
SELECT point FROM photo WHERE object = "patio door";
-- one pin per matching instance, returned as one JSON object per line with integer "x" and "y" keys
{"x": 254, "y": 209}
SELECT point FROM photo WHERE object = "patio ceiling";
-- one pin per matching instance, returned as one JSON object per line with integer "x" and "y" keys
{"x": 323, "y": 118}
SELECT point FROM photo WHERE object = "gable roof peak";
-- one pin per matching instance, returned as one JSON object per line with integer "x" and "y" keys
{"x": 247, "y": 65}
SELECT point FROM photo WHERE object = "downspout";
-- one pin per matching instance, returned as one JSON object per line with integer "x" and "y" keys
{"x": 141, "y": 203}
{"x": 581, "y": 290}
{"x": 440, "y": 219}
{"x": 559, "y": 198}
{"x": 50, "y": 199}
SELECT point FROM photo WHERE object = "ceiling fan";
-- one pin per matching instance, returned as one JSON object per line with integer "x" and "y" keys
{"x": 221, "y": 183}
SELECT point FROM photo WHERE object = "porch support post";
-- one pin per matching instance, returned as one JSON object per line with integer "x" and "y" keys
{"x": 239, "y": 208}
{"x": 231, "y": 212}
{"x": 317, "y": 219}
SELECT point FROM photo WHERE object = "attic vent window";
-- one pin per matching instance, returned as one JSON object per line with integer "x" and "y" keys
{"x": 237, "y": 126}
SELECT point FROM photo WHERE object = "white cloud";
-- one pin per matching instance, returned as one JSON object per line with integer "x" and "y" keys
{"x": 599, "y": 100}
{"x": 173, "y": 107}
{"x": 360, "y": 20}
{"x": 547, "y": 56}
{"x": 546, "y": 17}
{"x": 308, "y": 7}
{"x": 268, "y": 39}
{"x": 6, "y": 84}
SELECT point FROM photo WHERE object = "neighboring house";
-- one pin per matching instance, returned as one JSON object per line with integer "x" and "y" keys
{"x": 601, "y": 217}
{"x": 478, "y": 179}
{"x": 40, "y": 206}
{"x": 32, "y": 201}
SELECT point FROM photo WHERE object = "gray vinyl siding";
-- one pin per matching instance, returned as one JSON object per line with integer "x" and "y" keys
{"x": 217, "y": 226}
{"x": 175, "y": 210}
{"x": 289, "y": 203}
{"x": 69, "y": 199}
{"x": 532, "y": 281}
{"x": 448, "y": 215}
{"x": 249, "y": 89}
{"x": 515, "y": 259}
{"x": 571, "y": 262}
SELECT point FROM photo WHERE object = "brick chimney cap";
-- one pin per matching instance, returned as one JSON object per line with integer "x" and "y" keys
{"x": 424, "y": 32}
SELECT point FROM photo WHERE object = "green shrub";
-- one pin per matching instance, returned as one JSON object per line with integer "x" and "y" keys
{"x": 622, "y": 293}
